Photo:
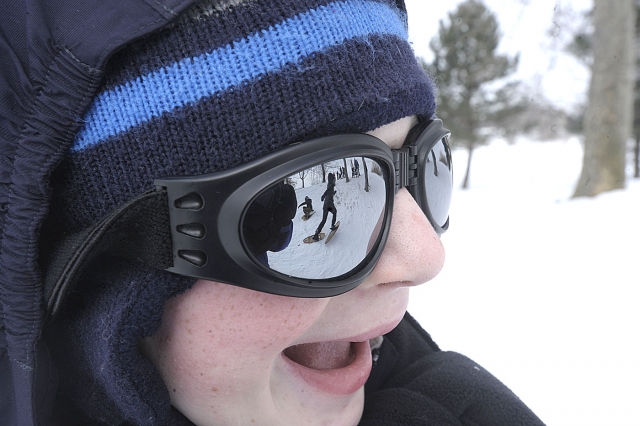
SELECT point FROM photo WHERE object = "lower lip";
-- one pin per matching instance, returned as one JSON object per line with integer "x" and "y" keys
{"x": 340, "y": 381}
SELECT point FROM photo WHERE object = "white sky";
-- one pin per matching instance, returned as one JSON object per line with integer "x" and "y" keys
{"x": 524, "y": 25}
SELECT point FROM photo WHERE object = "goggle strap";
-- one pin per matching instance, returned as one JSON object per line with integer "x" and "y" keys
{"x": 139, "y": 230}
{"x": 405, "y": 163}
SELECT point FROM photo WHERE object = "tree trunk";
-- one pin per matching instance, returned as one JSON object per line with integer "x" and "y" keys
{"x": 346, "y": 175}
{"x": 366, "y": 175}
{"x": 636, "y": 158}
{"x": 608, "y": 117}
{"x": 324, "y": 174}
{"x": 465, "y": 182}
{"x": 302, "y": 175}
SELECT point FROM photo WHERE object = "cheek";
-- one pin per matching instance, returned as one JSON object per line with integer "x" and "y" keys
{"x": 220, "y": 336}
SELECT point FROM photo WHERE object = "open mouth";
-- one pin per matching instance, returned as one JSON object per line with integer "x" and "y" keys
{"x": 337, "y": 367}
{"x": 322, "y": 355}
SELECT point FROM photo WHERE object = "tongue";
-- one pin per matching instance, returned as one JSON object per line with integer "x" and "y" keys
{"x": 321, "y": 356}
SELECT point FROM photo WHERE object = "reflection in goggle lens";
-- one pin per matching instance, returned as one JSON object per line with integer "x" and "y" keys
{"x": 438, "y": 177}
{"x": 349, "y": 191}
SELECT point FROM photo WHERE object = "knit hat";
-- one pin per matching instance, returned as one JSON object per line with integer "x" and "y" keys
{"x": 228, "y": 82}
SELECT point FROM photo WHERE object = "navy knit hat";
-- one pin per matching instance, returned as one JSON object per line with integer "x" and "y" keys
{"x": 230, "y": 81}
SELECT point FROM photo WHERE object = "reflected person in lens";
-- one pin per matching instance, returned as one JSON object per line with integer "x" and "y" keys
{"x": 328, "y": 206}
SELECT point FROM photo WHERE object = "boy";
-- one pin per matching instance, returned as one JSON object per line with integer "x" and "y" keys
{"x": 160, "y": 308}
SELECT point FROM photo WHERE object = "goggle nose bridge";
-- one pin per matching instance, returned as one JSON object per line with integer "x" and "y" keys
{"x": 405, "y": 163}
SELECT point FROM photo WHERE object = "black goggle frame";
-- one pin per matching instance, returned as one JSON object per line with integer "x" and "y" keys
{"x": 200, "y": 234}
{"x": 206, "y": 212}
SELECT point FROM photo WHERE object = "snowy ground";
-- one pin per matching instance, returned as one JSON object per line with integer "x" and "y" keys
{"x": 541, "y": 290}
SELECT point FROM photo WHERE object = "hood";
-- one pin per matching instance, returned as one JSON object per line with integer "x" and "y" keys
{"x": 53, "y": 57}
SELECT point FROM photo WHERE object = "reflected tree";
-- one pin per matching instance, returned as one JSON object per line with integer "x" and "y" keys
{"x": 346, "y": 175}
{"x": 366, "y": 175}
{"x": 302, "y": 174}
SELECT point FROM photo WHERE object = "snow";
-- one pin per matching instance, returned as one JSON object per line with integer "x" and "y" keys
{"x": 540, "y": 289}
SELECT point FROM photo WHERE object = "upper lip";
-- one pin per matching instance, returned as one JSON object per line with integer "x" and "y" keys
{"x": 356, "y": 335}
{"x": 376, "y": 331}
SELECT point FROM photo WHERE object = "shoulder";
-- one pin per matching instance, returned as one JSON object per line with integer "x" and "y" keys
{"x": 427, "y": 386}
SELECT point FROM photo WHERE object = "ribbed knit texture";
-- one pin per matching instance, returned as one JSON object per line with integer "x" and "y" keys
{"x": 227, "y": 87}
{"x": 227, "y": 83}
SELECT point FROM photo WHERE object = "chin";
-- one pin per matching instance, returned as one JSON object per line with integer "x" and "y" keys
{"x": 345, "y": 412}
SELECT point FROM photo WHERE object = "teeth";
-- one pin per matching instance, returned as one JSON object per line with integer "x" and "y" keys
{"x": 321, "y": 355}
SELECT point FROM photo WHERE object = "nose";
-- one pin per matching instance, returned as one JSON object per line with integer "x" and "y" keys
{"x": 414, "y": 253}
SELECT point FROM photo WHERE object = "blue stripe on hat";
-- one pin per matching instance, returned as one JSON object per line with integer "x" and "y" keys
{"x": 191, "y": 79}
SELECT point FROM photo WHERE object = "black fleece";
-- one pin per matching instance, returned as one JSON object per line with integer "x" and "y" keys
{"x": 414, "y": 383}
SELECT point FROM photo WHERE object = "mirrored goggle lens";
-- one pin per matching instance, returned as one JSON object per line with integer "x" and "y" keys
{"x": 321, "y": 222}
{"x": 438, "y": 176}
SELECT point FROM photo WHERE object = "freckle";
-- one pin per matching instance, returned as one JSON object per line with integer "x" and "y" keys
{"x": 221, "y": 316}
{"x": 253, "y": 421}
{"x": 189, "y": 331}
{"x": 231, "y": 307}
{"x": 186, "y": 321}
{"x": 293, "y": 307}
{"x": 209, "y": 331}
{"x": 190, "y": 342}
{"x": 202, "y": 374}
{"x": 174, "y": 389}
{"x": 214, "y": 389}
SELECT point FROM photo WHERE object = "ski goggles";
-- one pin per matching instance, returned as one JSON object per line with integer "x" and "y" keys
{"x": 243, "y": 226}
{"x": 247, "y": 226}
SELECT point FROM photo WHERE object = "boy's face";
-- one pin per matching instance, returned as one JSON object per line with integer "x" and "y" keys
{"x": 224, "y": 352}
